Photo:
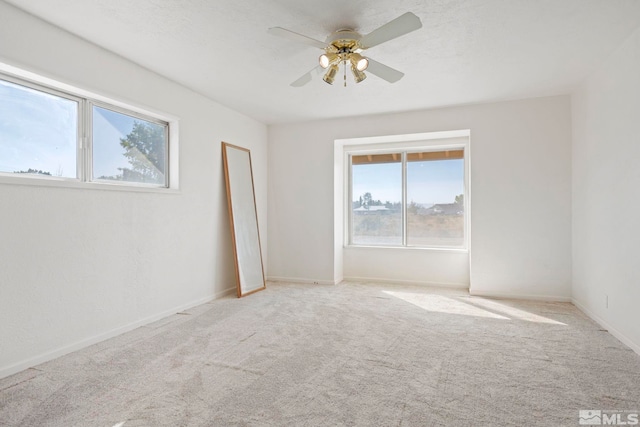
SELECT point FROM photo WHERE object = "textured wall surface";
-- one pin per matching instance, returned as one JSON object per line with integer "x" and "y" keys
{"x": 520, "y": 198}
{"x": 77, "y": 265}
{"x": 606, "y": 193}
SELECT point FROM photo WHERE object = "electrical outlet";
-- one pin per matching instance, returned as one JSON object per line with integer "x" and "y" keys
{"x": 315, "y": 283}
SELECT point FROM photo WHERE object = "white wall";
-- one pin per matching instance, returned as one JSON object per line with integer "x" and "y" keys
{"x": 520, "y": 200}
{"x": 80, "y": 265}
{"x": 414, "y": 266}
{"x": 606, "y": 193}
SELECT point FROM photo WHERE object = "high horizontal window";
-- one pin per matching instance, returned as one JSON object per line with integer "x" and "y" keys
{"x": 408, "y": 198}
{"x": 38, "y": 131}
{"x": 127, "y": 148}
{"x": 47, "y": 133}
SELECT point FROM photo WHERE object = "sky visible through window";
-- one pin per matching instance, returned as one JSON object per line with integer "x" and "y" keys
{"x": 429, "y": 182}
{"x": 126, "y": 148}
{"x": 109, "y": 127}
{"x": 38, "y": 131}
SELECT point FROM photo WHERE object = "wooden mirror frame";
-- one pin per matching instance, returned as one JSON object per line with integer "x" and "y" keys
{"x": 242, "y": 218}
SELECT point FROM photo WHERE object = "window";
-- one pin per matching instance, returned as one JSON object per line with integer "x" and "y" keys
{"x": 50, "y": 134}
{"x": 408, "y": 198}
{"x": 377, "y": 199}
{"x": 38, "y": 131}
{"x": 127, "y": 148}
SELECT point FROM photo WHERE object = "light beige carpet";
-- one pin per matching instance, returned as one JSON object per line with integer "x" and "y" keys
{"x": 346, "y": 355}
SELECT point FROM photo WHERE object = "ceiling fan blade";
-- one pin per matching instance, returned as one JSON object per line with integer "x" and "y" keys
{"x": 279, "y": 31}
{"x": 307, "y": 77}
{"x": 384, "y": 72}
{"x": 398, "y": 27}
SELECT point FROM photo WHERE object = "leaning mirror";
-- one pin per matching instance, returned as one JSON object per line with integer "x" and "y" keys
{"x": 244, "y": 220}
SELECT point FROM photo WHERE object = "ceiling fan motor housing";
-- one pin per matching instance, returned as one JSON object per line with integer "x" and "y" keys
{"x": 344, "y": 42}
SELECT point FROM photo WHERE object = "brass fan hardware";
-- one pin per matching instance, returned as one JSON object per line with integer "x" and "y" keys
{"x": 345, "y": 47}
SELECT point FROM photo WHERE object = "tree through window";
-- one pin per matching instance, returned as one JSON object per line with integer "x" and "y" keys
{"x": 49, "y": 134}
{"x": 128, "y": 148}
{"x": 408, "y": 199}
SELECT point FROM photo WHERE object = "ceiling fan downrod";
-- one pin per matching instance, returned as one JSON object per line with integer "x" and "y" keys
{"x": 344, "y": 63}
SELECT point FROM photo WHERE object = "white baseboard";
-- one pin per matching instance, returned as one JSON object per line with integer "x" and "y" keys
{"x": 222, "y": 294}
{"x": 407, "y": 282}
{"x": 301, "y": 280}
{"x": 79, "y": 345}
{"x": 613, "y": 331}
{"x": 504, "y": 295}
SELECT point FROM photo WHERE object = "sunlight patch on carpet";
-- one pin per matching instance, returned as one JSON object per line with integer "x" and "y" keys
{"x": 512, "y": 312}
{"x": 444, "y": 304}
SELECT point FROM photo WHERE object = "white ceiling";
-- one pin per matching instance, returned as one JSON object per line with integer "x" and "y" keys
{"x": 468, "y": 51}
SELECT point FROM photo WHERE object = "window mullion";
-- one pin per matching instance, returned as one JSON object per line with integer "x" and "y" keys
{"x": 80, "y": 143}
{"x": 350, "y": 203}
{"x": 167, "y": 153}
{"x": 404, "y": 199}
{"x": 88, "y": 142}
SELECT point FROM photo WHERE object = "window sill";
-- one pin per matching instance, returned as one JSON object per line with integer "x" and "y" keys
{"x": 410, "y": 248}
{"x": 74, "y": 183}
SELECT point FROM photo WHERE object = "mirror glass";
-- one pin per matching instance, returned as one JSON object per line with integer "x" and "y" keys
{"x": 244, "y": 220}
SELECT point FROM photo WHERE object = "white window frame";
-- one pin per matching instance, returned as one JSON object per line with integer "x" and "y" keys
{"x": 424, "y": 143}
{"x": 89, "y": 149}
{"x": 84, "y": 151}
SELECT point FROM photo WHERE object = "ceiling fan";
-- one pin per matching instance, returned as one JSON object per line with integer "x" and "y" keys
{"x": 345, "y": 46}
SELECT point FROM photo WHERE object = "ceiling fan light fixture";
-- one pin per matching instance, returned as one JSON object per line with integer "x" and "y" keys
{"x": 345, "y": 45}
{"x": 326, "y": 59}
{"x": 358, "y": 61}
{"x": 358, "y": 75}
{"x": 330, "y": 75}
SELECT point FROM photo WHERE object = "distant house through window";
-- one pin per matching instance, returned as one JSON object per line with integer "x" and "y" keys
{"x": 408, "y": 197}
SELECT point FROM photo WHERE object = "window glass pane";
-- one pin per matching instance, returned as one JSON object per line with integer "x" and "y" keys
{"x": 377, "y": 200}
{"x": 127, "y": 148}
{"x": 435, "y": 205}
{"x": 38, "y": 132}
